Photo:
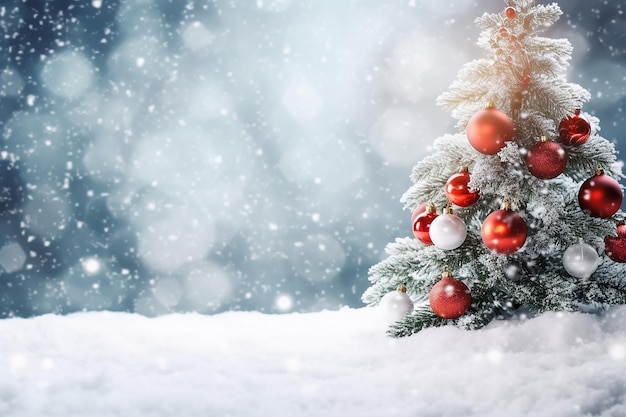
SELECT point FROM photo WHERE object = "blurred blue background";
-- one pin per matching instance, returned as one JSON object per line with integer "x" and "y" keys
{"x": 212, "y": 155}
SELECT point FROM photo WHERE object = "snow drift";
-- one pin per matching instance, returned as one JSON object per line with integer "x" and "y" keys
{"x": 332, "y": 363}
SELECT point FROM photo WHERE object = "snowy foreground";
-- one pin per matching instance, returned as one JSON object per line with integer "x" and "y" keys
{"x": 321, "y": 364}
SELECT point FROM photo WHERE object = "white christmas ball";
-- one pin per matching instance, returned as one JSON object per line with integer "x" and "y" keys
{"x": 395, "y": 305}
{"x": 447, "y": 231}
{"x": 581, "y": 260}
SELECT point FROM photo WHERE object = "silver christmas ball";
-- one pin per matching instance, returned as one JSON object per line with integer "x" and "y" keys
{"x": 581, "y": 260}
{"x": 395, "y": 305}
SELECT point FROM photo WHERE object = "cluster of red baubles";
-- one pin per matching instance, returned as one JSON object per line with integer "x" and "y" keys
{"x": 504, "y": 231}
{"x": 490, "y": 129}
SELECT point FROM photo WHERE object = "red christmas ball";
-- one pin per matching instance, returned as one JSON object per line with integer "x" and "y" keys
{"x": 421, "y": 226}
{"x": 504, "y": 231}
{"x": 450, "y": 298}
{"x": 600, "y": 196}
{"x": 510, "y": 12}
{"x": 458, "y": 191}
{"x": 417, "y": 211}
{"x": 546, "y": 159}
{"x": 574, "y": 130}
{"x": 615, "y": 246}
{"x": 489, "y": 129}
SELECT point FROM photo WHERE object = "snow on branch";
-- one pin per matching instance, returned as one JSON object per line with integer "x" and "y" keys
{"x": 546, "y": 15}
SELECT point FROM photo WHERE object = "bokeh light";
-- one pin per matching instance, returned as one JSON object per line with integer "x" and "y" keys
{"x": 207, "y": 156}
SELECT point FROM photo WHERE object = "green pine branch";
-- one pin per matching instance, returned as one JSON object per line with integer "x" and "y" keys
{"x": 421, "y": 318}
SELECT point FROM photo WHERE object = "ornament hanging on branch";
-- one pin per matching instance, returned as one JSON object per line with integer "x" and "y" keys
{"x": 449, "y": 298}
{"x": 448, "y": 231}
{"x": 396, "y": 304}
{"x": 504, "y": 231}
{"x": 600, "y": 196}
{"x": 546, "y": 159}
{"x": 489, "y": 130}
{"x": 615, "y": 246}
{"x": 421, "y": 226}
{"x": 581, "y": 260}
{"x": 574, "y": 130}
{"x": 458, "y": 191}
{"x": 510, "y": 12}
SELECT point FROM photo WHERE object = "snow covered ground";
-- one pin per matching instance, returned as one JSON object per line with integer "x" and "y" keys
{"x": 332, "y": 363}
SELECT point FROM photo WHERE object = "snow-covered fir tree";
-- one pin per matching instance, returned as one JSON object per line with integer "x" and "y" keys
{"x": 522, "y": 204}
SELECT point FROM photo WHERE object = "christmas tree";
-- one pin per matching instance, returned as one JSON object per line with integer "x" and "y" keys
{"x": 520, "y": 211}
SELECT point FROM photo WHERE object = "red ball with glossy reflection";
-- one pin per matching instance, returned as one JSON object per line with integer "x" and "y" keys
{"x": 510, "y": 12}
{"x": 458, "y": 191}
{"x": 504, "y": 231}
{"x": 600, "y": 196}
{"x": 574, "y": 130}
{"x": 421, "y": 226}
{"x": 489, "y": 130}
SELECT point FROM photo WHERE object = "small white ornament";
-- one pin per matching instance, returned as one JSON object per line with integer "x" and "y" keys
{"x": 448, "y": 231}
{"x": 396, "y": 304}
{"x": 581, "y": 260}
